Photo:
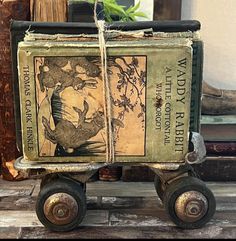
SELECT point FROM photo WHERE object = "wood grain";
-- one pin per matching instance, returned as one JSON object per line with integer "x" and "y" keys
{"x": 114, "y": 210}
{"x": 159, "y": 232}
{"x": 18, "y": 10}
{"x": 10, "y": 233}
{"x": 48, "y": 10}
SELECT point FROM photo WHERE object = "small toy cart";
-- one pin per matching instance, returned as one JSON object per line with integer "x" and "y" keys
{"x": 155, "y": 83}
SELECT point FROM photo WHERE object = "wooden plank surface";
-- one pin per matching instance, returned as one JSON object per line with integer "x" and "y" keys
{"x": 10, "y": 233}
{"x": 114, "y": 210}
{"x": 166, "y": 232}
{"x": 24, "y": 218}
{"x": 109, "y": 189}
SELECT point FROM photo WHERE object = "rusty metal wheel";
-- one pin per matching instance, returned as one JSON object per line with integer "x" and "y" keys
{"x": 189, "y": 203}
{"x": 61, "y": 205}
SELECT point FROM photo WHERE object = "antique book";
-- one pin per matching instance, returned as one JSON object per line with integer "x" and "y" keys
{"x": 220, "y": 169}
{"x": 184, "y": 29}
{"x": 63, "y": 100}
{"x": 196, "y": 90}
{"x": 218, "y": 128}
{"x": 219, "y": 148}
{"x": 9, "y": 9}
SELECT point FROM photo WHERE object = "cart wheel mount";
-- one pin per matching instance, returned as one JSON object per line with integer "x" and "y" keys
{"x": 61, "y": 205}
{"x": 189, "y": 203}
{"x": 159, "y": 186}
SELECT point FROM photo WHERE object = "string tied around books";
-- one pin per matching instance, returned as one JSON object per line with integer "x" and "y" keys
{"x": 102, "y": 31}
{"x": 110, "y": 146}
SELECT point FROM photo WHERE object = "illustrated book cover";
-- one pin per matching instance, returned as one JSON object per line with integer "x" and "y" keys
{"x": 62, "y": 100}
{"x": 171, "y": 29}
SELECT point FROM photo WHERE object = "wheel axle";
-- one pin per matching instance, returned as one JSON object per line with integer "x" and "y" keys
{"x": 191, "y": 206}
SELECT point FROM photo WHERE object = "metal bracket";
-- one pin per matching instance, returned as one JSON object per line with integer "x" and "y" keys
{"x": 168, "y": 176}
{"x": 198, "y": 155}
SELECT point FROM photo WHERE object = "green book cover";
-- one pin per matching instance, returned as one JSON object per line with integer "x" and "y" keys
{"x": 62, "y": 100}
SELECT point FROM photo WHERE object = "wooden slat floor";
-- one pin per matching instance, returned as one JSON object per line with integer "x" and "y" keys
{"x": 116, "y": 210}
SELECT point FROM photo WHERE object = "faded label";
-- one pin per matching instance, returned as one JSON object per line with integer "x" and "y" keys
{"x": 172, "y": 108}
{"x": 28, "y": 109}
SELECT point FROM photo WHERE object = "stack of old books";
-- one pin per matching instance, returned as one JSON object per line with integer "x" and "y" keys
{"x": 60, "y": 84}
{"x": 219, "y": 133}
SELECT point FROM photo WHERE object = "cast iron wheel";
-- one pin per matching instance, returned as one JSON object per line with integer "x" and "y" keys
{"x": 61, "y": 205}
{"x": 189, "y": 203}
{"x": 159, "y": 186}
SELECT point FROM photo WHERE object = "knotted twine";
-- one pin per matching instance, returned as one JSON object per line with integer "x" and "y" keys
{"x": 110, "y": 147}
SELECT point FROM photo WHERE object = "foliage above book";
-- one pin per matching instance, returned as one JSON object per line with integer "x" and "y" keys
{"x": 111, "y": 9}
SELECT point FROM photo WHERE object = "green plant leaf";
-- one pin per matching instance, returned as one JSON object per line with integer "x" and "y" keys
{"x": 91, "y": 1}
{"x": 132, "y": 16}
{"x": 140, "y": 14}
{"x": 114, "y": 8}
{"x": 134, "y": 8}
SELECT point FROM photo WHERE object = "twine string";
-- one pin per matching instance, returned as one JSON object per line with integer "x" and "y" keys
{"x": 110, "y": 148}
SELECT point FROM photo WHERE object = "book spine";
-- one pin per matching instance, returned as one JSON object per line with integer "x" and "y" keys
{"x": 218, "y": 132}
{"x": 196, "y": 87}
{"x": 221, "y": 148}
{"x": 18, "y": 10}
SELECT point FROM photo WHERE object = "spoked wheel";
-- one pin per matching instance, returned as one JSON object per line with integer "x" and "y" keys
{"x": 61, "y": 205}
{"x": 189, "y": 203}
{"x": 159, "y": 186}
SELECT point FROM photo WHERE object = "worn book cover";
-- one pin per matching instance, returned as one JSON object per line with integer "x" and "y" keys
{"x": 172, "y": 29}
{"x": 218, "y": 127}
{"x": 216, "y": 148}
{"x": 62, "y": 100}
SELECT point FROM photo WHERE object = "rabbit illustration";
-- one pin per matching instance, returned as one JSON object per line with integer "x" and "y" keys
{"x": 91, "y": 70}
{"x": 71, "y": 137}
{"x": 52, "y": 77}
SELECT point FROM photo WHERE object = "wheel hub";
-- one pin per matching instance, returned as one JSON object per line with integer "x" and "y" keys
{"x": 60, "y": 208}
{"x": 191, "y": 206}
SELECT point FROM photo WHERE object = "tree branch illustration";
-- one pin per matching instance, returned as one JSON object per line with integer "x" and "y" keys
{"x": 130, "y": 77}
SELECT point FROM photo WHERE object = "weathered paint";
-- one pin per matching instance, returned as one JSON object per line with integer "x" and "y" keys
{"x": 168, "y": 93}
